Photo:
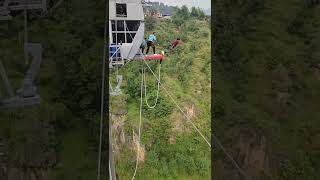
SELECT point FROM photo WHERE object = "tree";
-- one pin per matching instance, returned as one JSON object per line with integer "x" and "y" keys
{"x": 194, "y": 12}
{"x": 177, "y": 20}
{"x": 197, "y": 12}
{"x": 150, "y": 23}
{"x": 201, "y": 14}
{"x": 184, "y": 12}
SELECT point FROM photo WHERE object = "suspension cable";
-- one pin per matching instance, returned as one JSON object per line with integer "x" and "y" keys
{"x": 217, "y": 143}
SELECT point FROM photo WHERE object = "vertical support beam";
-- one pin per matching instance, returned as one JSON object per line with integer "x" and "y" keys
{"x": 5, "y": 81}
{"x": 26, "y": 33}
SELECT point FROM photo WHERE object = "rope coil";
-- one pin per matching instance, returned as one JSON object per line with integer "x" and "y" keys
{"x": 145, "y": 88}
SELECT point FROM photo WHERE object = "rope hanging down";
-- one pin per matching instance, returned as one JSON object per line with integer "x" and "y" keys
{"x": 143, "y": 83}
{"x": 140, "y": 122}
{"x": 145, "y": 88}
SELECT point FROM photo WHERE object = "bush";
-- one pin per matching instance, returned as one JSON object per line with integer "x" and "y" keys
{"x": 177, "y": 20}
{"x": 162, "y": 110}
{"x": 150, "y": 23}
{"x": 219, "y": 108}
{"x": 193, "y": 26}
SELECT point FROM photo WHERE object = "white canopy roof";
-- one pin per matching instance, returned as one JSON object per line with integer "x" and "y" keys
{"x": 134, "y": 10}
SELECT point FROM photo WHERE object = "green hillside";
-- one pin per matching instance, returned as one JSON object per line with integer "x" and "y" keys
{"x": 172, "y": 149}
{"x": 266, "y": 95}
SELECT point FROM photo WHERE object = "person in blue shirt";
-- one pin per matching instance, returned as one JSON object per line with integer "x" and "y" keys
{"x": 151, "y": 42}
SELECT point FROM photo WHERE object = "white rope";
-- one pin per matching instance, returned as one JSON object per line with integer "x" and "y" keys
{"x": 145, "y": 83}
{"x": 139, "y": 128}
{"x": 145, "y": 89}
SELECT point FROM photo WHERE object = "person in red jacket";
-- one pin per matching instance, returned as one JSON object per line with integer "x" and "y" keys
{"x": 173, "y": 45}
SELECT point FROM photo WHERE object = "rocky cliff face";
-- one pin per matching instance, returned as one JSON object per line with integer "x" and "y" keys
{"x": 267, "y": 88}
{"x": 254, "y": 156}
{"x": 251, "y": 153}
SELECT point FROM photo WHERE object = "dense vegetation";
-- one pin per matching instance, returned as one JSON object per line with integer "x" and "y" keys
{"x": 57, "y": 139}
{"x": 171, "y": 147}
{"x": 266, "y": 88}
